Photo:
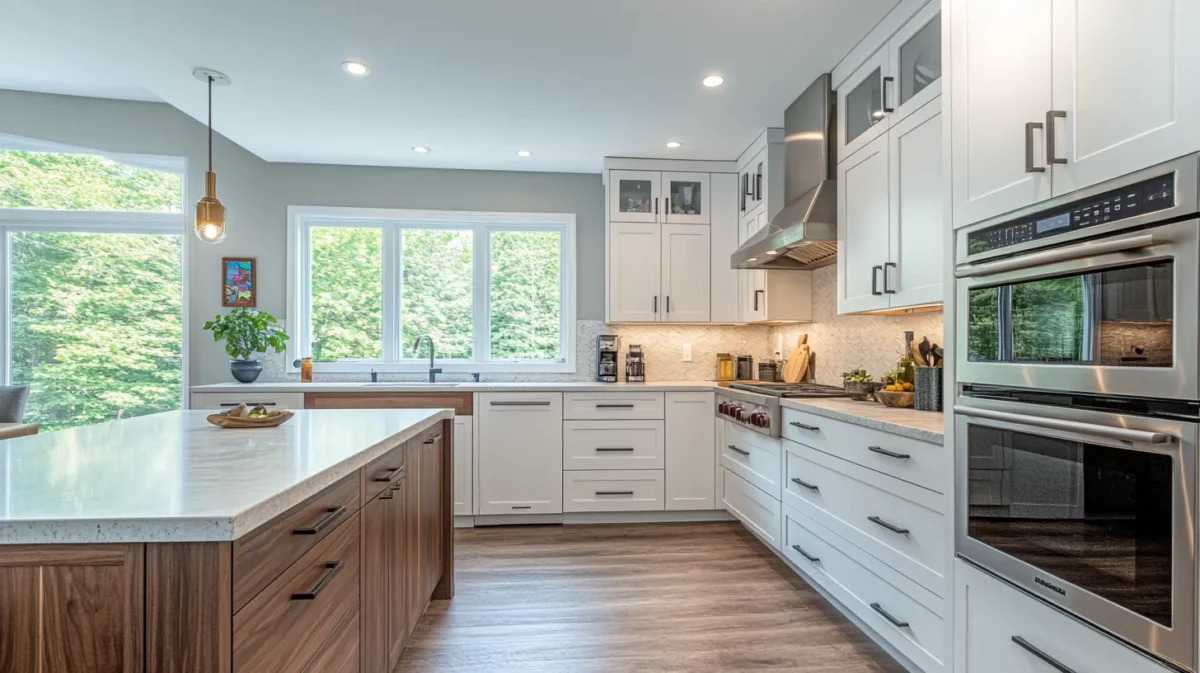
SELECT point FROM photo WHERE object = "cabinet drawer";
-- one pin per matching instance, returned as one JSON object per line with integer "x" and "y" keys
{"x": 613, "y": 406}
{"x": 923, "y": 464}
{"x": 613, "y": 490}
{"x": 893, "y": 610}
{"x": 340, "y": 653}
{"x": 520, "y": 452}
{"x": 613, "y": 445}
{"x": 759, "y": 512}
{"x": 896, "y": 522}
{"x": 228, "y": 400}
{"x": 283, "y": 628}
{"x": 991, "y": 614}
{"x": 753, "y": 457}
{"x": 260, "y": 556}
{"x": 382, "y": 472}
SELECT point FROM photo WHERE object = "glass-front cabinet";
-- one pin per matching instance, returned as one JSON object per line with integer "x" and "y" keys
{"x": 634, "y": 196}
{"x": 686, "y": 198}
{"x": 864, "y": 116}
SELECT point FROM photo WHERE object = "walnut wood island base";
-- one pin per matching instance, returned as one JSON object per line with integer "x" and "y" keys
{"x": 207, "y": 566}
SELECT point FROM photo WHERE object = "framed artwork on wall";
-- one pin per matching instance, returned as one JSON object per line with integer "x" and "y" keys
{"x": 239, "y": 281}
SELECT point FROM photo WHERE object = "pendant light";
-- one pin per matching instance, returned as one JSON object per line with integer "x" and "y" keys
{"x": 210, "y": 212}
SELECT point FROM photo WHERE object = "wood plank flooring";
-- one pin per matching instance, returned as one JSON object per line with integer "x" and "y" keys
{"x": 679, "y": 597}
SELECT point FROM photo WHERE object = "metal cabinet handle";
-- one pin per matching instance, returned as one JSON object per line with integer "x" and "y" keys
{"x": 532, "y": 403}
{"x": 614, "y": 448}
{"x": 1063, "y": 254}
{"x": 886, "y": 288}
{"x": 886, "y": 81}
{"x": 744, "y": 190}
{"x": 668, "y": 303}
{"x": 332, "y": 514}
{"x": 656, "y": 304}
{"x": 875, "y": 280}
{"x": 433, "y": 439}
{"x": 614, "y": 406}
{"x": 805, "y": 484}
{"x": 810, "y": 428}
{"x": 890, "y": 526}
{"x": 756, "y": 293}
{"x": 1050, "y": 661}
{"x": 1029, "y": 167}
{"x": 758, "y": 182}
{"x": 234, "y": 404}
{"x": 895, "y": 622}
{"x": 391, "y": 472}
{"x": 522, "y": 506}
{"x": 656, "y": 205}
{"x": 890, "y": 454}
{"x": 1102, "y": 431}
{"x": 614, "y": 492}
{"x": 734, "y": 448}
{"x": 810, "y": 557}
{"x": 387, "y": 495}
{"x": 331, "y": 570}
{"x": 1051, "y": 137}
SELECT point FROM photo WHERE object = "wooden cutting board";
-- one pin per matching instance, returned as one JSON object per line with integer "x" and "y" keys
{"x": 797, "y": 363}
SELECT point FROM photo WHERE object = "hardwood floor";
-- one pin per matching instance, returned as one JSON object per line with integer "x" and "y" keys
{"x": 686, "y": 597}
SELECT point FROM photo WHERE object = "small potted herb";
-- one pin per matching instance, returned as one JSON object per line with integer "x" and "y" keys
{"x": 246, "y": 331}
{"x": 858, "y": 384}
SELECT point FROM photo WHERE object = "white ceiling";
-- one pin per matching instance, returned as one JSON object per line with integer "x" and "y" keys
{"x": 572, "y": 81}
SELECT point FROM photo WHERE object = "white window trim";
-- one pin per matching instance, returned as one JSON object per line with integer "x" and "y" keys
{"x": 299, "y": 295}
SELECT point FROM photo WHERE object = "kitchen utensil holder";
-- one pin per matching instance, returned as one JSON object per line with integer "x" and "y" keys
{"x": 928, "y": 387}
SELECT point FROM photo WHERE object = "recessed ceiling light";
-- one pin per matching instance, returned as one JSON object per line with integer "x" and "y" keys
{"x": 421, "y": 149}
{"x": 772, "y": 252}
{"x": 674, "y": 143}
{"x": 712, "y": 81}
{"x": 355, "y": 68}
{"x": 524, "y": 153}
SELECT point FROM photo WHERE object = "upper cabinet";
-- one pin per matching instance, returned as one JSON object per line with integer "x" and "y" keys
{"x": 686, "y": 198}
{"x": 1094, "y": 89}
{"x": 653, "y": 196}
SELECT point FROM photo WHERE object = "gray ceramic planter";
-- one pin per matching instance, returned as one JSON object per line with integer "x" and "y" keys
{"x": 246, "y": 371}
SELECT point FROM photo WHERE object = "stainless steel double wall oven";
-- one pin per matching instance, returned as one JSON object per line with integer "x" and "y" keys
{"x": 1078, "y": 359}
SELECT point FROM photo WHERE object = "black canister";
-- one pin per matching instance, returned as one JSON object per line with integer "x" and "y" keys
{"x": 745, "y": 368}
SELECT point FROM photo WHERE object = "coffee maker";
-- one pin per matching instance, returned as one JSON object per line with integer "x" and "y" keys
{"x": 635, "y": 365}
{"x": 607, "y": 347}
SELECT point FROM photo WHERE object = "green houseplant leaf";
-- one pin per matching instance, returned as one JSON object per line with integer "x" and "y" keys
{"x": 246, "y": 331}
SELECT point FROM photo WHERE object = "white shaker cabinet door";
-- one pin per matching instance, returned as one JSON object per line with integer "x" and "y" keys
{"x": 691, "y": 449}
{"x": 914, "y": 274}
{"x": 1127, "y": 84}
{"x": 863, "y": 228}
{"x": 633, "y": 196}
{"x": 464, "y": 450}
{"x": 1001, "y": 55}
{"x": 520, "y": 453}
{"x": 633, "y": 272}
{"x": 685, "y": 273}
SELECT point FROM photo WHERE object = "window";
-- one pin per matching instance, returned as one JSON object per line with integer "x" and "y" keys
{"x": 495, "y": 291}
{"x": 92, "y": 247}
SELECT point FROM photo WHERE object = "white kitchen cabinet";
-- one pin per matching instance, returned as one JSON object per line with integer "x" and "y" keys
{"x": 690, "y": 451}
{"x": 686, "y": 198}
{"x": 759, "y": 512}
{"x": 634, "y": 272}
{"x": 773, "y": 296}
{"x": 1126, "y": 77}
{"x": 613, "y": 491}
{"x": 761, "y": 176}
{"x": 999, "y": 629}
{"x": 724, "y": 297}
{"x": 633, "y": 196}
{"x": 613, "y": 445}
{"x": 1001, "y": 55}
{"x": 861, "y": 105}
{"x": 685, "y": 273}
{"x": 863, "y": 224}
{"x": 520, "y": 453}
{"x": 913, "y": 273}
{"x": 464, "y": 452}
{"x": 232, "y": 399}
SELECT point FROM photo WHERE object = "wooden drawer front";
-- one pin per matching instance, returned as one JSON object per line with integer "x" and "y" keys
{"x": 990, "y": 614}
{"x": 613, "y": 406}
{"x": 613, "y": 445}
{"x": 340, "y": 653}
{"x": 229, "y": 400}
{"x": 920, "y": 634}
{"x": 759, "y": 512}
{"x": 279, "y": 630}
{"x": 461, "y": 403}
{"x": 613, "y": 490}
{"x": 753, "y": 457}
{"x": 379, "y": 475}
{"x": 260, "y": 557}
{"x": 864, "y": 506}
{"x": 928, "y": 465}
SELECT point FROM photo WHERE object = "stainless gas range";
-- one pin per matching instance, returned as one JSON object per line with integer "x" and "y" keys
{"x": 756, "y": 405}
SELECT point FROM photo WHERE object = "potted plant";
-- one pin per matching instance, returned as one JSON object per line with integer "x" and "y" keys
{"x": 246, "y": 331}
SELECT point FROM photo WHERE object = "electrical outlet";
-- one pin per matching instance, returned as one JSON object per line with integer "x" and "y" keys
{"x": 687, "y": 352}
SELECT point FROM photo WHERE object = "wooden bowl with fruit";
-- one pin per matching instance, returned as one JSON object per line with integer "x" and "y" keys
{"x": 245, "y": 416}
{"x": 895, "y": 392}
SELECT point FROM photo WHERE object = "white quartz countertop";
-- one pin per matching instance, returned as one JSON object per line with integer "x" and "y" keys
{"x": 925, "y": 426}
{"x": 468, "y": 387}
{"x": 173, "y": 477}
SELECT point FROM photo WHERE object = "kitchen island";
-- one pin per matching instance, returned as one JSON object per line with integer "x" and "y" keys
{"x": 163, "y": 543}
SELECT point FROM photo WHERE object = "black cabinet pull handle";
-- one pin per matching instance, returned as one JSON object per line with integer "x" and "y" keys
{"x": 668, "y": 303}
{"x": 890, "y": 454}
{"x": 890, "y": 526}
{"x": 533, "y": 403}
{"x": 875, "y": 280}
{"x": 614, "y": 492}
{"x": 758, "y": 176}
{"x": 656, "y": 205}
{"x": 332, "y": 513}
{"x": 391, "y": 472}
{"x": 522, "y": 507}
{"x": 810, "y": 428}
{"x": 655, "y": 304}
{"x": 1050, "y": 661}
{"x": 387, "y": 495}
{"x": 1029, "y": 167}
{"x": 433, "y": 439}
{"x": 810, "y": 557}
{"x": 614, "y": 448}
{"x": 895, "y": 622}
{"x": 331, "y": 569}
{"x": 614, "y": 406}
{"x": 234, "y": 404}
{"x": 734, "y": 448}
{"x": 886, "y": 82}
{"x": 805, "y": 484}
{"x": 756, "y": 293}
{"x": 887, "y": 289}
{"x": 1050, "y": 137}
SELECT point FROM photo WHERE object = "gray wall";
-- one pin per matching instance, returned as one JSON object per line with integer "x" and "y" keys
{"x": 257, "y": 194}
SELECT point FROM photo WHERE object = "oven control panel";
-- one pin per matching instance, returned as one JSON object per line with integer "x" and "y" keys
{"x": 1147, "y": 196}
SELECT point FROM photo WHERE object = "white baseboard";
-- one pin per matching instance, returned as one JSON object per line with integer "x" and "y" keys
{"x": 461, "y": 521}
{"x": 593, "y": 518}
{"x": 516, "y": 519}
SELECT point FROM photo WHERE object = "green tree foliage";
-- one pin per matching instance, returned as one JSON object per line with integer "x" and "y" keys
{"x": 438, "y": 291}
{"x": 525, "y": 300}
{"x": 84, "y": 182}
{"x": 347, "y": 293}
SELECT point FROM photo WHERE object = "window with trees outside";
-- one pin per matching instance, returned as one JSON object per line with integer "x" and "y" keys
{"x": 495, "y": 291}
{"x": 91, "y": 247}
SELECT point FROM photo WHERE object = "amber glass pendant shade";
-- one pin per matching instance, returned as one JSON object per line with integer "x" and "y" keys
{"x": 210, "y": 212}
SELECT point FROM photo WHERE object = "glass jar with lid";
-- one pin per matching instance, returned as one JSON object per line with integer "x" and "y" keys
{"x": 725, "y": 369}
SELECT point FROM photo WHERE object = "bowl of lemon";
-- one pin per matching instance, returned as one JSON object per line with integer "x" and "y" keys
{"x": 896, "y": 392}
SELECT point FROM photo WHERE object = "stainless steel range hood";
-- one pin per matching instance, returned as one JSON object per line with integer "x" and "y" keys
{"x": 804, "y": 233}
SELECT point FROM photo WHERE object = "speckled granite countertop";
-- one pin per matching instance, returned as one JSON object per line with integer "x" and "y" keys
{"x": 173, "y": 477}
{"x": 925, "y": 426}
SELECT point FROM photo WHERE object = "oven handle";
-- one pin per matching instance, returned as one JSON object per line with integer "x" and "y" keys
{"x": 1056, "y": 255}
{"x": 1123, "y": 434}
